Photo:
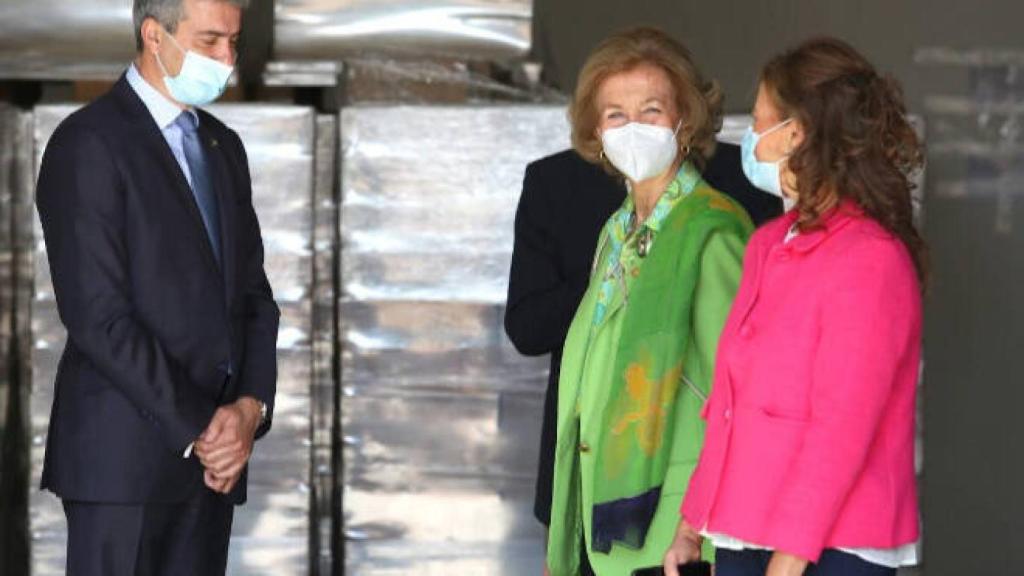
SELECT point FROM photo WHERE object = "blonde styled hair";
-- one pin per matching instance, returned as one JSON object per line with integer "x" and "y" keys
{"x": 698, "y": 100}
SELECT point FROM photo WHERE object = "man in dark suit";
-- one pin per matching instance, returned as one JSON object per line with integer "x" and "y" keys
{"x": 169, "y": 370}
{"x": 564, "y": 204}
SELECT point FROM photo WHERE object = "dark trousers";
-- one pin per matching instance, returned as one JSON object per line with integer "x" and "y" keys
{"x": 187, "y": 538}
{"x": 831, "y": 563}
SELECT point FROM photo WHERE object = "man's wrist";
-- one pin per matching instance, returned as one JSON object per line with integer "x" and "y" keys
{"x": 255, "y": 410}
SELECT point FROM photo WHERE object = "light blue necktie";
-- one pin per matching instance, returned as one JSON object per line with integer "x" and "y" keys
{"x": 202, "y": 188}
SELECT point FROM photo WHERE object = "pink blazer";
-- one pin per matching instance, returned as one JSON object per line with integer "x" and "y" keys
{"x": 810, "y": 423}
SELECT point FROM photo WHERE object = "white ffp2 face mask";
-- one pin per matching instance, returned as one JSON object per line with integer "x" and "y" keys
{"x": 640, "y": 151}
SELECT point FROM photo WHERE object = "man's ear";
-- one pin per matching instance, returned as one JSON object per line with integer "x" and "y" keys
{"x": 151, "y": 34}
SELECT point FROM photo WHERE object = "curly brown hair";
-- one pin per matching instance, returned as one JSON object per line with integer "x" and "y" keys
{"x": 698, "y": 100}
{"x": 858, "y": 143}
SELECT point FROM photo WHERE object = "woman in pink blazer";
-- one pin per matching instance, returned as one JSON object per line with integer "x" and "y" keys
{"x": 808, "y": 460}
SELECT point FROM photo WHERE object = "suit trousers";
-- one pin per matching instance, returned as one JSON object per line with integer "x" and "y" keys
{"x": 178, "y": 539}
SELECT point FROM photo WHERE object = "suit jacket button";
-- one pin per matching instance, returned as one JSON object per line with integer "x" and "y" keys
{"x": 746, "y": 331}
{"x": 584, "y": 447}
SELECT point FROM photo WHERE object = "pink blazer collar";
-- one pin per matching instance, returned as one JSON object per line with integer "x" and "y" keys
{"x": 833, "y": 221}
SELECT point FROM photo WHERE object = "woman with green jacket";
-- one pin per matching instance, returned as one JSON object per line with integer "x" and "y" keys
{"x": 639, "y": 355}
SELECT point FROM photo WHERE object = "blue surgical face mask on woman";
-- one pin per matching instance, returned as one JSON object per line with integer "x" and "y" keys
{"x": 763, "y": 175}
{"x": 201, "y": 79}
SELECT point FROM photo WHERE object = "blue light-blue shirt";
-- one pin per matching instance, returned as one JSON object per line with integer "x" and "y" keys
{"x": 164, "y": 112}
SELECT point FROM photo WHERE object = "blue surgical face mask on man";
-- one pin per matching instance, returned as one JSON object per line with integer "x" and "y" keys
{"x": 200, "y": 81}
{"x": 763, "y": 175}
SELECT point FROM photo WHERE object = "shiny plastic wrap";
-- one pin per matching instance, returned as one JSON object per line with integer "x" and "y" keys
{"x": 382, "y": 79}
{"x": 270, "y": 533}
{"x": 15, "y": 184}
{"x": 9, "y": 143}
{"x": 324, "y": 390}
{"x": 54, "y": 39}
{"x": 440, "y": 415}
{"x": 330, "y": 29}
{"x": 93, "y": 39}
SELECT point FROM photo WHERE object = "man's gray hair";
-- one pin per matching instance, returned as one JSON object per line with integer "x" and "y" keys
{"x": 167, "y": 12}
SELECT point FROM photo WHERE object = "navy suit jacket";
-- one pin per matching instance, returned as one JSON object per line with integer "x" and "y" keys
{"x": 154, "y": 324}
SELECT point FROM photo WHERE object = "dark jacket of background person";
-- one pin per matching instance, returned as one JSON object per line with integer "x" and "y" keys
{"x": 564, "y": 204}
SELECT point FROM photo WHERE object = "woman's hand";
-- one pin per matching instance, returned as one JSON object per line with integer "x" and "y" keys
{"x": 783, "y": 564}
{"x": 685, "y": 548}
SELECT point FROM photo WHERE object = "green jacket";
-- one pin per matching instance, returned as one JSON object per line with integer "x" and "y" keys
{"x": 621, "y": 401}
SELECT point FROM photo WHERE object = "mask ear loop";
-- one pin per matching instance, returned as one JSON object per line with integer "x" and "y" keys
{"x": 774, "y": 128}
{"x": 684, "y": 148}
{"x": 173, "y": 40}
{"x": 785, "y": 197}
{"x": 159, "y": 61}
{"x": 759, "y": 136}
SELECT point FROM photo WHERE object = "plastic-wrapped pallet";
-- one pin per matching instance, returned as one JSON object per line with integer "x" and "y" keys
{"x": 327, "y": 30}
{"x": 53, "y": 39}
{"x": 15, "y": 181}
{"x": 270, "y": 534}
{"x": 9, "y": 117}
{"x": 324, "y": 390}
{"x": 8, "y": 144}
{"x": 440, "y": 415}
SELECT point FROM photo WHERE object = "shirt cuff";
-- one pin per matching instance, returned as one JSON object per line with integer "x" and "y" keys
{"x": 188, "y": 450}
